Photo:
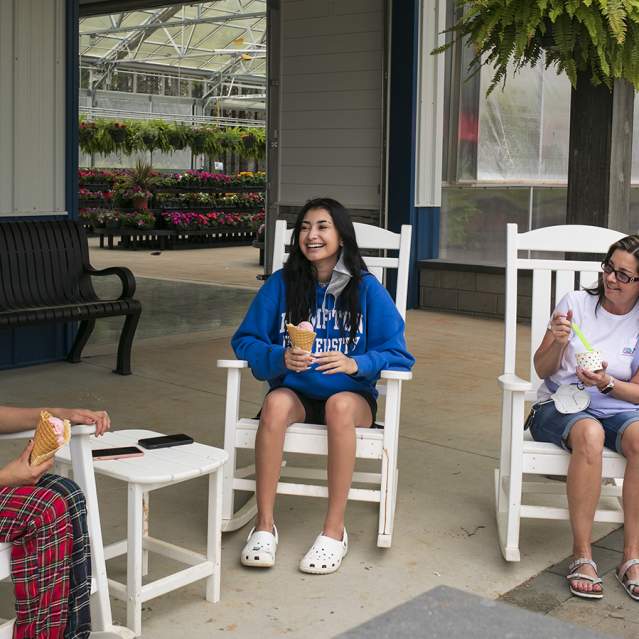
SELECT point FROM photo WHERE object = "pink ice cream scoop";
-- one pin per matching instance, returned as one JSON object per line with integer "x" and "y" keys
{"x": 305, "y": 326}
{"x": 58, "y": 429}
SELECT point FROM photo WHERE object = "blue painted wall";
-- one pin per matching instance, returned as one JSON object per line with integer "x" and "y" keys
{"x": 402, "y": 142}
{"x": 38, "y": 344}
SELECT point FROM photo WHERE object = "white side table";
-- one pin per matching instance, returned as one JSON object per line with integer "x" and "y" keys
{"x": 157, "y": 469}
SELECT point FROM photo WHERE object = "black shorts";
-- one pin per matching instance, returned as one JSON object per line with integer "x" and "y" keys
{"x": 315, "y": 408}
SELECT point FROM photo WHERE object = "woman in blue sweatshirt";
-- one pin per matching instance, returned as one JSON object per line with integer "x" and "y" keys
{"x": 359, "y": 333}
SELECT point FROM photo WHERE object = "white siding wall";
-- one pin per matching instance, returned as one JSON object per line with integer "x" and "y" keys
{"x": 332, "y": 96}
{"x": 32, "y": 106}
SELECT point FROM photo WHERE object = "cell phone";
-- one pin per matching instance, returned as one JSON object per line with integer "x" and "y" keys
{"x": 117, "y": 453}
{"x": 166, "y": 441}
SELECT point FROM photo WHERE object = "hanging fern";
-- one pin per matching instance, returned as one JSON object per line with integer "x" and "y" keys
{"x": 103, "y": 136}
{"x": 597, "y": 37}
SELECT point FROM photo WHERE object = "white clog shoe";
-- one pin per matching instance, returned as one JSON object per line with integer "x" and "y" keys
{"x": 260, "y": 548}
{"x": 325, "y": 555}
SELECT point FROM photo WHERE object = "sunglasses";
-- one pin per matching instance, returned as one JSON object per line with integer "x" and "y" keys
{"x": 620, "y": 276}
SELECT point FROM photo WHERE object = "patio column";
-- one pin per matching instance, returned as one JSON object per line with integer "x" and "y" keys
{"x": 415, "y": 127}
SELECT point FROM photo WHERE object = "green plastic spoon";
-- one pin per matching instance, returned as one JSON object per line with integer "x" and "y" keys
{"x": 582, "y": 337}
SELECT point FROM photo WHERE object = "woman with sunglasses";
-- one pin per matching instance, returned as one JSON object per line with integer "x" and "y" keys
{"x": 608, "y": 315}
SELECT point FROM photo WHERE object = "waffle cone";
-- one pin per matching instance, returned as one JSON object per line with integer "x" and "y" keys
{"x": 45, "y": 443}
{"x": 301, "y": 339}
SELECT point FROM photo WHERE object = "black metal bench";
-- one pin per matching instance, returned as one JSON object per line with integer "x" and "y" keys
{"x": 45, "y": 277}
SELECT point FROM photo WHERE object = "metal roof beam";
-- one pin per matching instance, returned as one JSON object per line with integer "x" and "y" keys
{"x": 134, "y": 40}
{"x": 165, "y": 69}
{"x": 179, "y": 23}
{"x": 142, "y": 67}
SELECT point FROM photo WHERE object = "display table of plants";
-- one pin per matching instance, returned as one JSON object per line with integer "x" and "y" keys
{"x": 141, "y": 208}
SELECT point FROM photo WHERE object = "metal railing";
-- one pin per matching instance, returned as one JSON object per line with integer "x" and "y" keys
{"x": 123, "y": 114}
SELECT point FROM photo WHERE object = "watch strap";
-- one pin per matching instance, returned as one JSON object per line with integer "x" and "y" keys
{"x": 609, "y": 387}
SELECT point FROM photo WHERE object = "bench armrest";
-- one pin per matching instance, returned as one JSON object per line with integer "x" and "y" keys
{"x": 126, "y": 277}
{"x": 511, "y": 382}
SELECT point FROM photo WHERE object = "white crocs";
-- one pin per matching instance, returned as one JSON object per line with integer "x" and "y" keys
{"x": 325, "y": 555}
{"x": 260, "y": 548}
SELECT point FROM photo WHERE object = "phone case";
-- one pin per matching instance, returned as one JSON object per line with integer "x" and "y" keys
{"x": 162, "y": 442}
{"x": 120, "y": 456}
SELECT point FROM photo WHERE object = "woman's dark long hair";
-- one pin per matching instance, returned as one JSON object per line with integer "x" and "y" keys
{"x": 629, "y": 244}
{"x": 301, "y": 276}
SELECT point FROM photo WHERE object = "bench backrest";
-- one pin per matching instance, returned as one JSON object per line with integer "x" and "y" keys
{"x": 552, "y": 276}
{"x": 41, "y": 264}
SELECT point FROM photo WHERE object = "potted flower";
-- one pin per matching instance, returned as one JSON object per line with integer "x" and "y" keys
{"x": 137, "y": 184}
{"x": 141, "y": 220}
{"x": 139, "y": 197}
{"x": 112, "y": 220}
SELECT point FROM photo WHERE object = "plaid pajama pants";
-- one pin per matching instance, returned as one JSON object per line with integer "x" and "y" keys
{"x": 50, "y": 558}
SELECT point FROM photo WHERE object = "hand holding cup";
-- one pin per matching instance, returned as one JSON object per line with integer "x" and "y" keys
{"x": 597, "y": 378}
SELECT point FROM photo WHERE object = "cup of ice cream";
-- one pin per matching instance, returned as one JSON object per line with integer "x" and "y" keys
{"x": 590, "y": 360}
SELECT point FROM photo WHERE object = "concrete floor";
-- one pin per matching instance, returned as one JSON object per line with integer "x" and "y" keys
{"x": 444, "y": 531}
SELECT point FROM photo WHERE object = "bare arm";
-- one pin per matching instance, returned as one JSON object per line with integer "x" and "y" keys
{"x": 626, "y": 391}
{"x": 14, "y": 419}
{"x": 547, "y": 358}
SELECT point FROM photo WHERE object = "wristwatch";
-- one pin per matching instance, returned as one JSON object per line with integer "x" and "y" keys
{"x": 609, "y": 387}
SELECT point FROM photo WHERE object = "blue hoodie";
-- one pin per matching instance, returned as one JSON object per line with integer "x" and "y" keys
{"x": 261, "y": 339}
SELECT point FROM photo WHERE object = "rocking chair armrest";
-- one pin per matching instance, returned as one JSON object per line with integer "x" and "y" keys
{"x": 511, "y": 382}
{"x": 400, "y": 375}
{"x": 232, "y": 363}
{"x": 80, "y": 429}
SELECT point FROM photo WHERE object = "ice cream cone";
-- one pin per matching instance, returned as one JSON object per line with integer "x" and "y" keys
{"x": 300, "y": 338}
{"x": 45, "y": 441}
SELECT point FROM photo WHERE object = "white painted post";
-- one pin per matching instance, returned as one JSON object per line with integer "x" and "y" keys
{"x": 82, "y": 464}
{"x": 134, "y": 559}
{"x": 145, "y": 532}
{"x": 230, "y": 424}
{"x": 214, "y": 535}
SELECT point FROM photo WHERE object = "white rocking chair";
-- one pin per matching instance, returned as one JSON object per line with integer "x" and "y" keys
{"x": 519, "y": 453}
{"x": 310, "y": 438}
{"x": 82, "y": 464}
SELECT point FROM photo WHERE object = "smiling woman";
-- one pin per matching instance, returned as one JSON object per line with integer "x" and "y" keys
{"x": 357, "y": 332}
{"x": 605, "y": 318}
{"x": 319, "y": 242}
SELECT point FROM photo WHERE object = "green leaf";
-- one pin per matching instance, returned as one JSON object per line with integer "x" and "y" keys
{"x": 577, "y": 36}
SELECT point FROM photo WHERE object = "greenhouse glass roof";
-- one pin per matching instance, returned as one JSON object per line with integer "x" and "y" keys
{"x": 207, "y": 39}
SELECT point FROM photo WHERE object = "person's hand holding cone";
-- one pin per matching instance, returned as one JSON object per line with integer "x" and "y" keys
{"x": 50, "y": 435}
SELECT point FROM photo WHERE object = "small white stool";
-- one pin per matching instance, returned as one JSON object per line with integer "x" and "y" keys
{"x": 157, "y": 469}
